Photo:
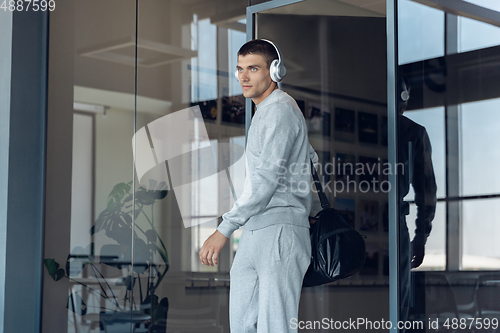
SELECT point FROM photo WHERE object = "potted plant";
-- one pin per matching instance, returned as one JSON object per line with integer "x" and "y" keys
{"x": 134, "y": 251}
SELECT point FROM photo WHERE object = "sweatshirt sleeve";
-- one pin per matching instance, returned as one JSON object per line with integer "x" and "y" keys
{"x": 276, "y": 133}
{"x": 424, "y": 184}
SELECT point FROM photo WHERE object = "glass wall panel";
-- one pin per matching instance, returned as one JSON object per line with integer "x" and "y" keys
{"x": 451, "y": 98}
{"x": 88, "y": 248}
{"x": 335, "y": 55}
{"x": 122, "y": 253}
{"x": 196, "y": 140}
{"x": 127, "y": 260}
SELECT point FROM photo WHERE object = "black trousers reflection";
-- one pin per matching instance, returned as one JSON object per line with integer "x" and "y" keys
{"x": 404, "y": 270}
{"x": 411, "y": 289}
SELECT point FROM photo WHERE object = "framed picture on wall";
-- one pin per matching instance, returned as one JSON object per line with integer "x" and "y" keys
{"x": 346, "y": 208}
{"x": 371, "y": 262}
{"x": 368, "y": 216}
{"x": 208, "y": 109}
{"x": 344, "y": 124}
{"x": 318, "y": 119}
{"x": 367, "y": 127}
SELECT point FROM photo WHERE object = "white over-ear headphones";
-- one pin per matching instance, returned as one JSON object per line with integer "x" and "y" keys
{"x": 277, "y": 70}
{"x": 405, "y": 94}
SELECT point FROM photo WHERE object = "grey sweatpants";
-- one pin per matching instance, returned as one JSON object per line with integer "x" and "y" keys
{"x": 266, "y": 278}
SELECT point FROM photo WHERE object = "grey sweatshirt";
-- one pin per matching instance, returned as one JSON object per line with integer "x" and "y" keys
{"x": 277, "y": 187}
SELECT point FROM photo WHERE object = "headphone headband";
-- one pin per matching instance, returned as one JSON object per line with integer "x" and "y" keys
{"x": 275, "y": 47}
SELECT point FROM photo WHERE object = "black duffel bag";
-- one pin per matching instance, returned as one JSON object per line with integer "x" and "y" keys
{"x": 337, "y": 250}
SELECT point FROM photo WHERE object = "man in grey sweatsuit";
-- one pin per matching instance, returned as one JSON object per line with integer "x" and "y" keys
{"x": 274, "y": 250}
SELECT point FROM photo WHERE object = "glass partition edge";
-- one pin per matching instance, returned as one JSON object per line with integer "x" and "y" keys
{"x": 392, "y": 63}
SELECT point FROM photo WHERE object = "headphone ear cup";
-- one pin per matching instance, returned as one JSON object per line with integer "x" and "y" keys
{"x": 405, "y": 96}
{"x": 274, "y": 71}
{"x": 236, "y": 75}
{"x": 281, "y": 71}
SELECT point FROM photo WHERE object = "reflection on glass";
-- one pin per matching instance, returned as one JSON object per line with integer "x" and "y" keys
{"x": 415, "y": 155}
{"x": 88, "y": 258}
{"x": 490, "y": 4}
{"x": 481, "y": 249}
{"x": 346, "y": 113}
{"x": 235, "y": 40}
{"x": 434, "y": 258}
{"x": 433, "y": 121}
{"x": 82, "y": 189}
{"x": 420, "y": 32}
{"x": 481, "y": 156}
{"x": 204, "y": 66}
{"x": 197, "y": 294}
{"x": 476, "y": 35}
{"x": 456, "y": 97}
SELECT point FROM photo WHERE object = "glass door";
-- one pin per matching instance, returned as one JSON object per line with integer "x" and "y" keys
{"x": 447, "y": 139}
{"x": 140, "y": 91}
{"x": 335, "y": 55}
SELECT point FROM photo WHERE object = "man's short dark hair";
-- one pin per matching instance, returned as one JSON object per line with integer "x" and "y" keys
{"x": 260, "y": 47}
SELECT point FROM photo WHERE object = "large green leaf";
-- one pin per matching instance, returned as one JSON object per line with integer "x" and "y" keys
{"x": 53, "y": 269}
{"x": 117, "y": 225}
{"x": 161, "y": 310}
{"x": 117, "y": 194}
{"x": 148, "y": 197}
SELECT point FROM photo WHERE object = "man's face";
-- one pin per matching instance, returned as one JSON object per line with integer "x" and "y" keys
{"x": 254, "y": 77}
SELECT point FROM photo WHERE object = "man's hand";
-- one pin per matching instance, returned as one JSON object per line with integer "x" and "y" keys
{"x": 209, "y": 253}
{"x": 418, "y": 251}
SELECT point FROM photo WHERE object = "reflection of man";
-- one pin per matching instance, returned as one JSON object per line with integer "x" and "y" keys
{"x": 274, "y": 250}
{"x": 415, "y": 152}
